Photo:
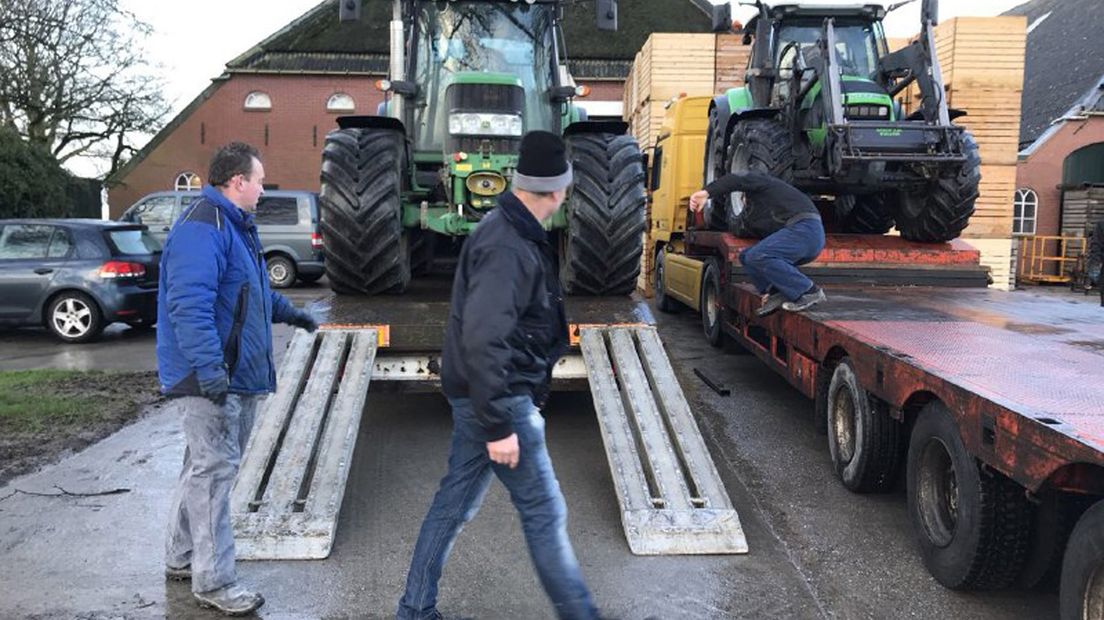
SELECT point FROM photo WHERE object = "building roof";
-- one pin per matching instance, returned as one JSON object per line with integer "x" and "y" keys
{"x": 317, "y": 42}
{"x": 1065, "y": 59}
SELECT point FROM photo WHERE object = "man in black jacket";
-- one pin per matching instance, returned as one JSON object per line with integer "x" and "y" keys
{"x": 506, "y": 329}
{"x": 789, "y": 225}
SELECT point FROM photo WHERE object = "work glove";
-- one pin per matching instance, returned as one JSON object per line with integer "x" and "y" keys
{"x": 215, "y": 388}
{"x": 303, "y": 318}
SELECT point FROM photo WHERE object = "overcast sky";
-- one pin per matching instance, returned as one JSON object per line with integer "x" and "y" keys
{"x": 193, "y": 41}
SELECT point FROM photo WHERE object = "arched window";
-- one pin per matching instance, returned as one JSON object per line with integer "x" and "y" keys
{"x": 186, "y": 181}
{"x": 258, "y": 100}
{"x": 340, "y": 102}
{"x": 1025, "y": 208}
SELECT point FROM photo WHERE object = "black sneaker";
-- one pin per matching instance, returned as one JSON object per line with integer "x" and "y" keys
{"x": 806, "y": 301}
{"x": 232, "y": 600}
{"x": 771, "y": 303}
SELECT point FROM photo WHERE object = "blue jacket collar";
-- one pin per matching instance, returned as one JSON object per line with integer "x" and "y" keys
{"x": 519, "y": 216}
{"x": 235, "y": 214}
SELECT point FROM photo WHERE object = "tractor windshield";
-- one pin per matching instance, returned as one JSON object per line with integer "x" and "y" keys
{"x": 495, "y": 38}
{"x": 859, "y": 44}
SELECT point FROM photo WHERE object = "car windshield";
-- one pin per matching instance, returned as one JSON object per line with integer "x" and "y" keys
{"x": 857, "y": 45}
{"x": 488, "y": 37}
{"x": 134, "y": 242}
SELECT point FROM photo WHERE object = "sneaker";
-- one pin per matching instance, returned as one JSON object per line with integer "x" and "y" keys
{"x": 184, "y": 573}
{"x": 232, "y": 600}
{"x": 806, "y": 301}
{"x": 771, "y": 303}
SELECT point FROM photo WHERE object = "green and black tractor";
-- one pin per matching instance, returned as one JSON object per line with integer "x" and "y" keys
{"x": 819, "y": 109}
{"x": 467, "y": 79}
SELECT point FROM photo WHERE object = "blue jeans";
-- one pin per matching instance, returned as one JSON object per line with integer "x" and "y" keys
{"x": 536, "y": 495}
{"x": 772, "y": 263}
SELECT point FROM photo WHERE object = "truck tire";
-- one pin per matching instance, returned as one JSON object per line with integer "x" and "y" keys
{"x": 711, "y": 304}
{"x": 761, "y": 144}
{"x": 1054, "y": 518}
{"x": 939, "y": 212}
{"x": 867, "y": 214}
{"x": 863, "y": 439}
{"x": 662, "y": 301}
{"x": 600, "y": 254}
{"x": 972, "y": 524}
{"x": 714, "y": 168}
{"x": 1081, "y": 596}
{"x": 361, "y": 209}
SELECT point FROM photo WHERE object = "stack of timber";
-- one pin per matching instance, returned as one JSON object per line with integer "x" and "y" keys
{"x": 1081, "y": 210}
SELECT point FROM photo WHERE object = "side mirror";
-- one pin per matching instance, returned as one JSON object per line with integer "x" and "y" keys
{"x": 349, "y": 10}
{"x": 722, "y": 17}
{"x": 929, "y": 11}
{"x": 606, "y": 15}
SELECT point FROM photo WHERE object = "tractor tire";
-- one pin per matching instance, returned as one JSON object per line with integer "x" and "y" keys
{"x": 601, "y": 250}
{"x": 361, "y": 211}
{"x": 863, "y": 439}
{"x": 867, "y": 214}
{"x": 714, "y": 168}
{"x": 760, "y": 144}
{"x": 939, "y": 212}
{"x": 973, "y": 525}
{"x": 1081, "y": 596}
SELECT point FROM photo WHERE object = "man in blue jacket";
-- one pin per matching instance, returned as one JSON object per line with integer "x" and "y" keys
{"x": 214, "y": 356}
{"x": 505, "y": 331}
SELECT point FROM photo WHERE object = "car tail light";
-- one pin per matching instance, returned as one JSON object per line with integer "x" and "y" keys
{"x": 316, "y": 241}
{"x": 122, "y": 269}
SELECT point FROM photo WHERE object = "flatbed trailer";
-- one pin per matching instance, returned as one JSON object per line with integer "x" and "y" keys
{"x": 990, "y": 403}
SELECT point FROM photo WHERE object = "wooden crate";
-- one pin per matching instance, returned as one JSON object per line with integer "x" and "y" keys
{"x": 983, "y": 52}
{"x": 671, "y": 63}
{"x": 731, "y": 62}
{"x": 996, "y": 254}
{"x": 993, "y": 210}
{"x": 646, "y": 122}
{"x": 1081, "y": 210}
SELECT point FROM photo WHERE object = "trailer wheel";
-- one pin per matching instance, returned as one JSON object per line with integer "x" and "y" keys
{"x": 1082, "y": 592}
{"x": 939, "y": 212}
{"x": 715, "y": 168}
{"x": 711, "y": 304}
{"x": 972, "y": 524}
{"x": 605, "y": 218}
{"x": 862, "y": 438}
{"x": 1054, "y": 519}
{"x": 662, "y": 301}
{"x": 361, "y": 211}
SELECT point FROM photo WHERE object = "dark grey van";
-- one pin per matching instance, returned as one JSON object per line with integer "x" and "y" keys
{"x": 287, "y": 222}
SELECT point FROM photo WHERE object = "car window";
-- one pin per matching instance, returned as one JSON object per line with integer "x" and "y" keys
{"x": 277, "y": 210}
{"x": 134, "y": 242}
{"x": 60, "y": 244}
{"x": 25, "y": 241}
{"x": 156, "y": 212}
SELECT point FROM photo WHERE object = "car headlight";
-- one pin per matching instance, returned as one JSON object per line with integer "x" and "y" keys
{"x": 482, "y": 124}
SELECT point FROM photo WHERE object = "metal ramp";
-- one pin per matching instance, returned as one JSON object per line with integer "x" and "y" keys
{"x": 671, "y": 496}
{"x": 288, "y": 493}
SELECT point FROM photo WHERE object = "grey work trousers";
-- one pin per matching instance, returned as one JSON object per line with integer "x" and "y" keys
{"x": 200, "y": 532}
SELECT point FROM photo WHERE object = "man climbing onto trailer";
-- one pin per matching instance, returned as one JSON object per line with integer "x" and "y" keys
{"x": 792, "y": 234}
{"x": 506, "y": 329}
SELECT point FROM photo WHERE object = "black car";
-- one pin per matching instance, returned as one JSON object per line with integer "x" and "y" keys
{"x": 77, "y": 276}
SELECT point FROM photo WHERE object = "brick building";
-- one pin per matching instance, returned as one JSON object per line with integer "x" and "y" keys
{"x": 285, "y": 93}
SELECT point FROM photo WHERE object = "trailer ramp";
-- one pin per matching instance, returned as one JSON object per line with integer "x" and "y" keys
{"x": 671, "y": 496}
{"x": 288, "y": 493}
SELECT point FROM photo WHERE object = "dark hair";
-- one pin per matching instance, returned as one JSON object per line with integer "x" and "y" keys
{"x": 229, "y": 161}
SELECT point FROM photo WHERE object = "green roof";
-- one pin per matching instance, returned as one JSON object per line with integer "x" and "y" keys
{"x": 319, "y": 42}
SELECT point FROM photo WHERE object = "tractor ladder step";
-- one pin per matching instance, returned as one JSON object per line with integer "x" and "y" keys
{"x": 287, "y": 496}
{"x": 671, "y": 496}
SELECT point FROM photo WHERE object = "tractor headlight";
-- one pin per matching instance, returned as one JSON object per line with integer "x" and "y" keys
{"x": 876, "y": 112}
{"x": 481, "y": 124}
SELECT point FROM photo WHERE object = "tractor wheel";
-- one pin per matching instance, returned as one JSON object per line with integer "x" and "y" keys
{"x": 759, "y": 144}
{"x": 362, "y": 211}
{"x": 715, "y": 168}
{"x": 867, "y": 214}
{"x": 940, "y": 212}
{"x": 601, "y": 250}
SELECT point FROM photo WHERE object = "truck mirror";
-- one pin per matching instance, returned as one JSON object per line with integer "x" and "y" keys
{"x": 929, "y": 11}
{"x": 607, "y": 15}
{"x": 349, "y": 10}
{"x": 722, "y": 17}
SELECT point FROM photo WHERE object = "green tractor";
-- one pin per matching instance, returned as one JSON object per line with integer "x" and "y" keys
{"x": 819, "y": 111}
{"x": 467, "y": 79}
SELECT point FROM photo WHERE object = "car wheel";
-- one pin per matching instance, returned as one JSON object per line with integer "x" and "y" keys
{"x": 74, "y": 317}
{"x": 281, "y": 271}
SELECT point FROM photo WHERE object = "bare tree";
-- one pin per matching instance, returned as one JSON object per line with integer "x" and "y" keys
{"x": 74, "y": 78}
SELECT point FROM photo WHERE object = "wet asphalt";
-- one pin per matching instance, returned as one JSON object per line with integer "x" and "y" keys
{"x": 816, "y": 550}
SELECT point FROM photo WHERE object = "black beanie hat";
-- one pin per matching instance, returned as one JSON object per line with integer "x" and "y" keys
{"x": 542, "y": 165}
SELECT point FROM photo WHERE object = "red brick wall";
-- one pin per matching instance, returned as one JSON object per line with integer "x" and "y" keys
{"x": 1042, "y": 172}
{"x": 296, "y": 125}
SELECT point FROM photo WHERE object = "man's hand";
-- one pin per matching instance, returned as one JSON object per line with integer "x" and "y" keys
{"x": 697, "y": 200}
{"x": 303, "y": 318}
{"x": 505, "y": 451}
{"x": 215, "y": 389}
